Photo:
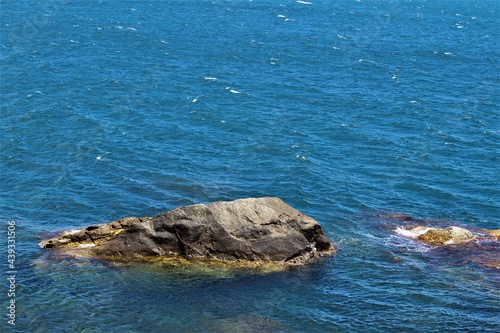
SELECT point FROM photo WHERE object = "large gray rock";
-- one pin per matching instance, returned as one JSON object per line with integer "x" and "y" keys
{"x": 255, "y": 229}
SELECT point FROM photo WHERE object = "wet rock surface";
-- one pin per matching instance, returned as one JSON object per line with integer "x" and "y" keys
{"x": 447, "y": 236}
{"x": 494, "y": 233}
{"x": 253, "y": 230}
{"x": 460, "y": 244}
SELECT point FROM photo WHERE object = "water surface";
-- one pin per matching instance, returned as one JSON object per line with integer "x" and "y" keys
{"x": 347, "y": 110}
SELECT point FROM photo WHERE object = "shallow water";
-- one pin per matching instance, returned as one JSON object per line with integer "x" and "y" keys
{"x": 347, "y": 110}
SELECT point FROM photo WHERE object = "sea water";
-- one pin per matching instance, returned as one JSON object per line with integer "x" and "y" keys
{"x": 347, "y": 110}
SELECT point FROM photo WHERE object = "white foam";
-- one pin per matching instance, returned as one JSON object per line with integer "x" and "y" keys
{"x": 234, "y": 91}
{"x": 209, "y": 78}
{"x": 84, "y": 246}
{"x": 99, "y": 158}
{"x": 71, "y": 232}
{"x": 305, "y": 2}
{"x": 406, "y": 244}
{"x": 413, "y": 233}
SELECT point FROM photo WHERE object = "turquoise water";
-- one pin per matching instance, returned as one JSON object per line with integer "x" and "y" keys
{"x": 347, "y": 110}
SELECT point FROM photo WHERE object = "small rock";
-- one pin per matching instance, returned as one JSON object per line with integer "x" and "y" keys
{"x": 449, "y": 236}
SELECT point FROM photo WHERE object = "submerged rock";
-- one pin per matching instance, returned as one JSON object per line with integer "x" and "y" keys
{"x": 494, "y": 233}
{"x": 254, "y": 230}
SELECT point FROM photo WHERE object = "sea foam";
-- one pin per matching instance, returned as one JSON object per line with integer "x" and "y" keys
{"x": 413, "y": 233}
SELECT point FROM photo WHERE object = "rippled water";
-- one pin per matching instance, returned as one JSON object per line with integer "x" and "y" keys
{"x": 347, "y": 110}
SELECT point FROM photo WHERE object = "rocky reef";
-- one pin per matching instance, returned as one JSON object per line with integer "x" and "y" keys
{"x": 253, "y": 230}
{"x": 464, "y": 243}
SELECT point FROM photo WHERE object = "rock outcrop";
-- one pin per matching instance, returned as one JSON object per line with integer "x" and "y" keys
{"x": 456, "y": 243}
{"x": 255, "y": 230}
{"x": 448, "y": 236}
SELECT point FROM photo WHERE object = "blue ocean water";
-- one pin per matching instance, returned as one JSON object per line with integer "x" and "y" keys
{"x": 347, "y": 110}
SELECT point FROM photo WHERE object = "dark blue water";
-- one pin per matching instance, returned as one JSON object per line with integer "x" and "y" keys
{"x": 347, "y": 110}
